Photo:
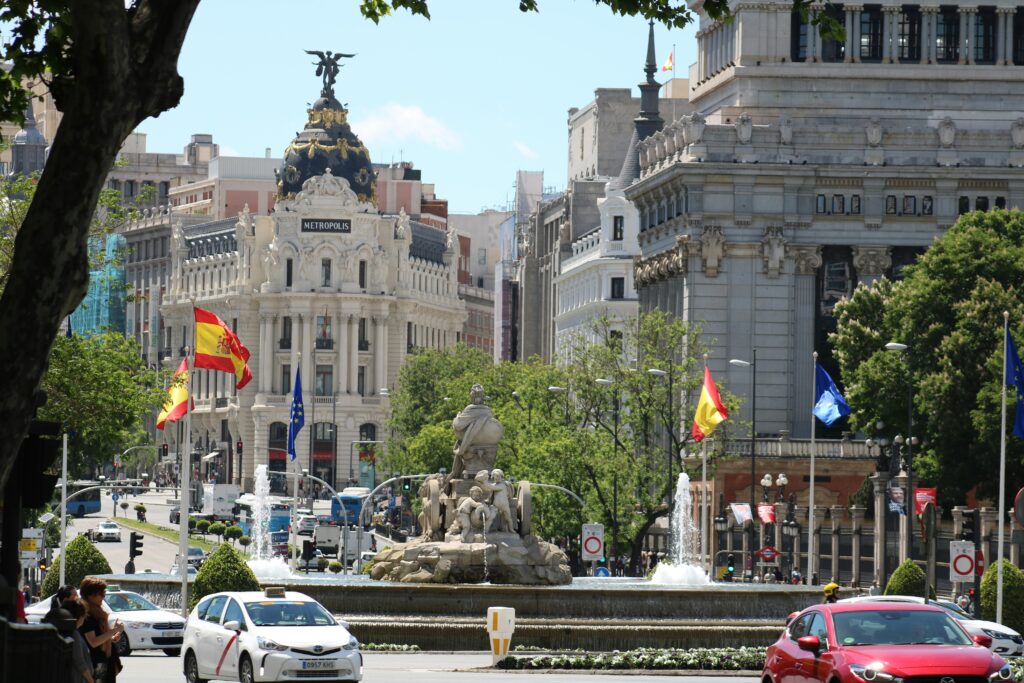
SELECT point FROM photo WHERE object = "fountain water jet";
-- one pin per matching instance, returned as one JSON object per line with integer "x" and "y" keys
{"x": 263, "y": 565}
{"x": 682, "y": 567}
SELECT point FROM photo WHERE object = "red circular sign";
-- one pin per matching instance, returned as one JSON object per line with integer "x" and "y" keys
{"x": 768, "y": 553}
{"x": 963, "y": 565}
{"x": 592, "y": 545}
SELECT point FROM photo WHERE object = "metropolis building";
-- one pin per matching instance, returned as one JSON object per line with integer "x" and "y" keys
{"x": 809, "y": 166}
{"x": 326, "y": 283}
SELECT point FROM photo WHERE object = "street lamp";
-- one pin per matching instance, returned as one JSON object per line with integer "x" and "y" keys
{"x": 605, "y": 382}
{"x": 910, "y": 441}
{"x": 791, "y": 529}
{"x": 752, "y": 364}
{"x": 562, "y": 390}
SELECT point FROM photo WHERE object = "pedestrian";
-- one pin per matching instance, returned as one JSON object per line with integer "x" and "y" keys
{"x": 831, "y": 591}
{"x": 65, "y": 592}
{"x": 81, "y": 658}
{"x": 99, "y": 633}
{"x": 875, "y": 589}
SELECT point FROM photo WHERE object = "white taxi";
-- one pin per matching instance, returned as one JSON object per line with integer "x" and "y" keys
{"x": 274, "y": 635}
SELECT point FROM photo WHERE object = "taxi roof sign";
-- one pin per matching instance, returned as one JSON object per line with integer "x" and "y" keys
{"x": 274, "y": 591}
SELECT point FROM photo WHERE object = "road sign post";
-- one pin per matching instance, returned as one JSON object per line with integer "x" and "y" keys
{"x": 961, "y": 561}
{"x": 592, "y": 548}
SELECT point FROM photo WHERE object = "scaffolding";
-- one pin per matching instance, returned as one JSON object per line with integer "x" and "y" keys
{"x": 103, "y": 308}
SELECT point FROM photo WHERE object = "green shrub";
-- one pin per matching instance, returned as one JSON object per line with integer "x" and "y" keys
{"x": 202, "y": 526}
{"x": 233, "y": 533}
{"x": 335, "y": 566}
{"x": 83, "y": 560}
{"x": 322, "y": 563}
{"x": 217, "y": 529}
{"x": 224, "y": 570}
{"x": 244, "y": 541}
{"x": 191, "y": 523}
{"x": 908, "y": 579}
{"x": 1013, "y": 595}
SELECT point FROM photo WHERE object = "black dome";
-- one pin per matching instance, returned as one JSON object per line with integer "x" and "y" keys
{"x": 327, "y": 141}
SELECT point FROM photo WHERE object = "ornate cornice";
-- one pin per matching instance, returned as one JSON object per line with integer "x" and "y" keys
{"x": 806, "y": 258}
{"x": 871, "y": 260}
{"x": 662, "y": 266}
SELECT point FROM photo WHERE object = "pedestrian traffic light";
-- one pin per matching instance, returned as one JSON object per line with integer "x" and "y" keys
{"x": 406, "y": 485}
{"x": 969, "y": 531}
{"x": 730, "y": 567}
{"x": 134, "y": 545}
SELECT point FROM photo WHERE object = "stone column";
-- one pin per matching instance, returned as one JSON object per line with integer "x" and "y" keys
{"x": 989, "y": 534}
{"x": 806, "y": 260}
{"x": 340, "y": 332}
{"x": 857, "y": 523}
{"x": 929, "y": 17}
{"x": 855, "y": 52}
{"x": 837, "y": 520}
{"x": 353, "y": 353}
{"x": 265, "y": 354}
{"x": 972, "y": 18}
{"x": 962, "y": 12}
{"x": 905, "y": 520}
{"x": 701, "y": 47}
{"x": 871, "y": 262}
{"x": 308, "y": 360}
{"x": 1000, "y": 35}
{"x": 892, "y": 14}
{"x": 880, "y": 482}
{"x": 379, "y": 354}
{"x": 819, "y": 519}
{"x": 812, "y": 34}
{"x": 848, "y": 44}
{"x": 1011, "y": 12}
{"x": 296, "y": 335}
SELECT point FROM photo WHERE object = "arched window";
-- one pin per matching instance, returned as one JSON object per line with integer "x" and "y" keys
{"x": 325, "y": 453}
{"x": 368, "y": 454}
{"x": 277, "y": 452}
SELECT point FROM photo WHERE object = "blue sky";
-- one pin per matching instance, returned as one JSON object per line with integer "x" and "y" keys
{"x": 476, "y": 93}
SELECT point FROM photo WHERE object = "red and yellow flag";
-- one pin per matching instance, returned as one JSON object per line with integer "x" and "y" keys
{"x": 177, "y": 398}
{"x": 669, "y": 65}
{"x": 710, "y": 411}
{"x": 217, "y": 348}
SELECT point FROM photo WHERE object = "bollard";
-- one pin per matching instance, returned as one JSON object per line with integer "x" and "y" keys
{"x": 501, "y": 622}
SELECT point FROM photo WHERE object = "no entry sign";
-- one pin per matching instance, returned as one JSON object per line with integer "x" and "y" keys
{"x": 593, "y": 542}
{"x": 961, "y": 561}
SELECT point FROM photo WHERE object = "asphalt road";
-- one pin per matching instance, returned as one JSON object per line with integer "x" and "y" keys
{"x": 426, "y": 668}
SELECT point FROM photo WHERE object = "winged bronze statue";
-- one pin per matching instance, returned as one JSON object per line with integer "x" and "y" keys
{"x": 328, "y": 67}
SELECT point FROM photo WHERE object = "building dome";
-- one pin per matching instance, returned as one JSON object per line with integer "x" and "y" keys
{"x": 327, "y": 142}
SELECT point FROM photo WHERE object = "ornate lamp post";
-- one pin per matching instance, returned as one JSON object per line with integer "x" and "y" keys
{"x": 752, "y": 364}
{"x": 909, "y": 500}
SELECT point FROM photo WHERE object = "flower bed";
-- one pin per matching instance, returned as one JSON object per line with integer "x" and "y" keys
{"x": 708, "y": 659}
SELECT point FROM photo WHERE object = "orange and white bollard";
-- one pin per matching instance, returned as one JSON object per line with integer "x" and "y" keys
{"x": 501, "y": 623}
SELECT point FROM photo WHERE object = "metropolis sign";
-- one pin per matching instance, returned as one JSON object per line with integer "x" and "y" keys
{"x": 326, "y": 225}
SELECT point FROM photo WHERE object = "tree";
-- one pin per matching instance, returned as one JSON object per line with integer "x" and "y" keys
{"x": 1013, "y": 594}
{"x": 233, "y": 533}
{"x": 83, "y": 560}
{"x": 949, "y": 311}
{"x": 114, "y": 62}
{"x": 908, "y": 579}
{"x": 202, "y": 526}
{"x": 245, "y": 542}
{"x": 217, "y": 529}
{"x": 223, "y": 570}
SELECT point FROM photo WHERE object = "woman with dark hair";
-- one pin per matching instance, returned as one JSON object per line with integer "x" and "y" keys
{"x": 65, "y": 592}
{"x": 80, "y": 656}
{"x": 98, "y": 632}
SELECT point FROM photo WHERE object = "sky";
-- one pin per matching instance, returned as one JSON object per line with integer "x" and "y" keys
{"x": 470, "y": 96}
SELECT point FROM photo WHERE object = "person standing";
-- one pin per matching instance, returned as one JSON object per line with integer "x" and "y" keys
{"x": 98, "y": 632}
{"x": 81, "y": 658}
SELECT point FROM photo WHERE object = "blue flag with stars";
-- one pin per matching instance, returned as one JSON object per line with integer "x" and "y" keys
{"x": 298, "y": 416}
{"x": 830, "y": 404}
{"x": 1015, "y": 376}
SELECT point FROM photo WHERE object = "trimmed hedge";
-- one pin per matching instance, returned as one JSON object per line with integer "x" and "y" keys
{"x": 1013, "y": 595}
{"x": 718, "y": 659}
{"x": 224, "y": 570}
{"x": 908, "y": 579}
{"x": 83, "y": 560}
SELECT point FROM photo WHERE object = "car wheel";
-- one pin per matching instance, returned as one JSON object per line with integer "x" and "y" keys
{"x": 192, "y": 669}
{"x": 173, "y": 653}
{"x": 124, "y": 648}
{"x": 245, "y": 674}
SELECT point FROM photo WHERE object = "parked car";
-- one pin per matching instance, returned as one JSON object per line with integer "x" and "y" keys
{"x": 305, "y": 524}
{"x": 880, "y": 641}
{"x": 195, "y": 557}
{"x": 146, "y": 626}
{"x": 271, "y": 635}
{"x": 107, "y": 531}
{"x": 173, "y": 571}
{"x": 1005, "y": 641}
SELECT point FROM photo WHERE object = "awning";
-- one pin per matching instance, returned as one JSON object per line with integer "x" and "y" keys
{"x": 211, "y": 456}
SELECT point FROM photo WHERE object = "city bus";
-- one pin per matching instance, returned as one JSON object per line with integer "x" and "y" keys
{"x": 84, "y": 503}
{"x": 346, "y": 505}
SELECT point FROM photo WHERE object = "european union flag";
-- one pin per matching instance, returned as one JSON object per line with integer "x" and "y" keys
{"x": 830, "y": 404}
{"x": 1015, "y": 376}
{"x": 298, "y": 416}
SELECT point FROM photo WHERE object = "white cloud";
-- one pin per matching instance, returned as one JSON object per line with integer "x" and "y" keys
{"x": 228, "y": 151}
{"x": 525, "y": 150}
{"x": 396, "y": 122}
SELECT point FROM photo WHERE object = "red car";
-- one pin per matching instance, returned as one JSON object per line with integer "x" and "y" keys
{"x": 883, "y": 642}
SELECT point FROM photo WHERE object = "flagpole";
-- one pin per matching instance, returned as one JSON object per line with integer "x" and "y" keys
{"x": 1002, "y": 475}
{"x": 292, "y": 559}
{"x": 184, "y": 480}
{"x": 810, "y": 503}
{"x": 673, "y": 94}
{"x": 703, "y": 479}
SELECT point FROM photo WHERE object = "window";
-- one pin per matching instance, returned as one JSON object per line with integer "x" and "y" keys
{"x": 822, "y": 204}
{"x": 367, "y": 432}
{"x": 799, "y": 627}
{"x": 855, "y": 205}
{"x": 981, "y": 203}
{"x": 615, "y": 340}
{"x": 871, "y": 34}
{"x": 1018, "y": 37}
{"x": 618, "y": 227}
{"x": 910, "y": 206}
{"x": 963, "y": 205}
{"x": 947, "y": 35}
{"x": 324, "y": 340}
{"x": 890, "y": 204}
{"x": 361, "y": 381}
{"x": 215, "y": 609}
{"x": 798, "y": 41}
{"x": 362, "y": 275}
{"x": 286, "y": 378}
{"x": 618, "y": 287}
{"x": 908, "y": 42}
{"x": 926, "y": 205}
{"x": 234, "y": 613}
{"x": 286, "y": 333}
{"x": 1000, "y": 204}
{"x": 362, "y": 332}
{"x": 831, "y": 49}
{"x": 288, "y": 273}
{"x": 325, "y": 272}
{"x": 818, "y": 628}
{"x": 480, "y": 282}
{"x": 204, "y": 607}
{"x": 481, "y": 256}
{"x": 325, "y": 380}
{"x": 838, "y": 204}
{"x": 409, "y": 341}
{"x": 985, "y": 36}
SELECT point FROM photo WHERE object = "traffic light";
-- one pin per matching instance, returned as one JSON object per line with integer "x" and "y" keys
{"x": 406, "y": 485}
{"x": 307, "y": 551}
{"x": 42, "y": 565}
{"x": 730, "y": 567}
{"x": 165, "y": 451}
{"x": 134, "y": 545}
{"x": 238, "y": 447}
{"x": 35, "y": 456}
{"x": 970, "y": 529}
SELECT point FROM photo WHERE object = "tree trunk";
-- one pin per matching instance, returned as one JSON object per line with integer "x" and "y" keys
{"x": 122, "y": 69}
{"x": 636, "y": 547}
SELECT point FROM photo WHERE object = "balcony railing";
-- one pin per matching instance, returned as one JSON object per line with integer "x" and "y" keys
{"x": 221, "y": 402}
{"x": 324, "y": 344}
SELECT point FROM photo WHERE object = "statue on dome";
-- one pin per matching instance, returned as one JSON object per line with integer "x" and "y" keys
{"x": 328, "y": 67}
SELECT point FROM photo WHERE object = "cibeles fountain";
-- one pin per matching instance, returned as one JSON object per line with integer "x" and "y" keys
{"x": 475, "y": 524}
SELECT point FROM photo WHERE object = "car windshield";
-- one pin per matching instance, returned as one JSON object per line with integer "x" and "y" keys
{"x": 128, "y": 602}
{"x": 288, "y": 613}
{"x": 954, "y": 609}
{"x": 195, "y": 551}
{"x": 108, "y": 525}
{"x": 897, "y": 627}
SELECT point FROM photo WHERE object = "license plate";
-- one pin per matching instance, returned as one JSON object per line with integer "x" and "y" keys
{"x": 318, "y": 664}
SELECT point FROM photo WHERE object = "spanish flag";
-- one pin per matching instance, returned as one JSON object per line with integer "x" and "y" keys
{"x": 174, "y": 407}
{"x": 669, "y": 65}
{"x": 217, "y": 348}
{"x": 710, "y": 410}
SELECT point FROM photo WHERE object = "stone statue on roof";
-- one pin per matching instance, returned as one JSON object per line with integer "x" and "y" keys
{"x": 328, "y": 67}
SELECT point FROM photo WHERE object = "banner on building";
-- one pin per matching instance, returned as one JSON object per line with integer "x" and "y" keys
{"x": 741, "y": 511}
{"x": 766, "y": 513}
